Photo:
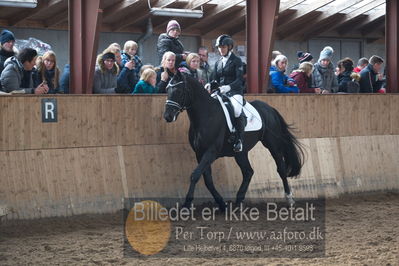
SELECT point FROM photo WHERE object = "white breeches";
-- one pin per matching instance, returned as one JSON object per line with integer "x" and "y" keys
{"x": 237, "y": 104}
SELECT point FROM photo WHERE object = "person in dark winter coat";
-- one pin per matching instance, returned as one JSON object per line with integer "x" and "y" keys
{"x": 49, "y": 73}
{"x": 64, "y": 80}
{"x": 147, "y": 83}
{"x": 302, "y": 57}
{"x": 323, "y": 75}
{"x": 371, "y": 79}
{"x": 229, "y": 74}
{"x": 281, "y": 83}
{"x": 7, "y": 41}
{"x": 302, "y": 78}
{"x": 361, "y": 64}
{"x": 17, "y": 74}
{"x": 169, "y": 41}
{"x": 348, "y": 80}
{"x": 166, "y": 71}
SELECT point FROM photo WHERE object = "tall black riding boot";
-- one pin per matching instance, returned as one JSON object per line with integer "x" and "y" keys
{"x": 240, "y": 123}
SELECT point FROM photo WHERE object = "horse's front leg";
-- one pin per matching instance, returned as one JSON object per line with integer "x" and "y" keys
{"x": 206, "y": 160}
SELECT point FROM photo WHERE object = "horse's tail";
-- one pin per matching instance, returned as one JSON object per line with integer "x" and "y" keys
{"x": 277, "y": 133}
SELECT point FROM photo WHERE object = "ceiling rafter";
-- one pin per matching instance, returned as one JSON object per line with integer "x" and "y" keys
{"x": 27, "y": 14}
{"x": 369, "y": 19}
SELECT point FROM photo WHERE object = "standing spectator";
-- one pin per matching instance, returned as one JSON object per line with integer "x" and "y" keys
{"x": 49, "y": 73}
{"x": 64, "y": 81}
{"x": 279, "y": 80}
{"x": 302, "y": 57}
{"x": 130, "y": 53}
{"x": 371, "y": 79}
{"x": 204, "y": 65}
{"x": 106, "y": 74}
{"x": 169, "y": 41}
{"x": 193, "y": 64}
{"x": 362, "y": 63}
{"x": 7, "y": 41}
{"x": 17, "y": 73}
{"x": 302, "y": 76}
{"x": 270, "y": 88}
{"x": 348, "y": 81}
{"x": 166, "y": 71}
{"x": 323, "y": 75}
{"x": 147, "y": 82}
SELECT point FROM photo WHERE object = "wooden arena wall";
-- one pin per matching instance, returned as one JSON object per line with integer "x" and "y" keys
{"x": 106, "y": 148}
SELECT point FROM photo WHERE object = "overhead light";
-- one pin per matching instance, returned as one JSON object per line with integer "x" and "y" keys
{"x": 175, "y": 12}
{"x": 20, "y": 3}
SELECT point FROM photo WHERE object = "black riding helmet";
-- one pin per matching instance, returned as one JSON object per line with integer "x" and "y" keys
{"x": 225, "y": 39}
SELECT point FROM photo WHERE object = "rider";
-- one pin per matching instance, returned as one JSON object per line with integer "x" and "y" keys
{"x": 228, "y": 72}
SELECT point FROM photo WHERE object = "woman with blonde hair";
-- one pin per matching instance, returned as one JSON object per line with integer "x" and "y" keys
{"x": 49, "y": 73}
{"x": 193, "y": 68}
{"x": 147, "y": 82}
{"x": 302, "y": 77}
{"x": 166, "y": 71}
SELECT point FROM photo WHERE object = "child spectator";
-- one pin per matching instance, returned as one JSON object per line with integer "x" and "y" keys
{"x": 130, "y": 53}
{"x": 106, "y": 74}
{"x": 323, "y": 75}
{"x": 17, "y": 74}
{"x": 49, "y": 73}
{"x": 371, "y": 79}
{"x": 169, "y": 41}
{"x": 362, "y": 63}
{"x": 302, "y": 77}
{"x": 280, "y": 82}
{"x": 166, "y": 71}
{"x": 348, "y": 81}
{"x": 147, "y": 82}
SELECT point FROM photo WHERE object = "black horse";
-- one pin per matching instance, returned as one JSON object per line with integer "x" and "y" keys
{"x": 209, "y": 134}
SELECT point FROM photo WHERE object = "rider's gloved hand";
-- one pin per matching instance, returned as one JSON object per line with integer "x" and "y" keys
{"x": 208, "y": 87}
{"x": 224, "y": 88}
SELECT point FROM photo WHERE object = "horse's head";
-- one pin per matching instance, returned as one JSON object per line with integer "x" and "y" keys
{"x": 178, "y": 97}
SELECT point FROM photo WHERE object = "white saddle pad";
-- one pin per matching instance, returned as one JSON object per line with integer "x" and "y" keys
{"x": 254, "y": 122}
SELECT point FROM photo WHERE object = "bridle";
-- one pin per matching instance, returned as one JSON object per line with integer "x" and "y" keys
{"x": 186, "y": 97}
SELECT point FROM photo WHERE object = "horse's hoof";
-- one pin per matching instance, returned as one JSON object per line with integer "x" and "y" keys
{"x": 290, "y": 199}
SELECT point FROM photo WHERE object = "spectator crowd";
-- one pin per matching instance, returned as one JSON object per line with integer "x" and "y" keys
{"x": 122, "y": 71}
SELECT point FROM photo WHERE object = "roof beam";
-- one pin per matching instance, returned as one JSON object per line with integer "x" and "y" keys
{"x": 285, "y": 31}
{"x": 289, "y": 5}
{"x": 238, "y": 16}
{"x": 346, "y": 17}
{"x": 217, "y": 11}
{"x": 21, "y": 16}
{"x": 301, "y": 14}
{"x": 323, "y": 27}
{"x": 140, "y": 14}
{"x": 116, "y": 8}
{"x": 369, "y": 19}
{"x": 196, "y": 3}
{"x": 57, "y": 19}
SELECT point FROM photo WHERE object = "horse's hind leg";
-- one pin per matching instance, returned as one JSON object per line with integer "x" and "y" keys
{"x": 281, "y": 169}
{"x": 247, "y": 173}
{"x": 211, "y": 187}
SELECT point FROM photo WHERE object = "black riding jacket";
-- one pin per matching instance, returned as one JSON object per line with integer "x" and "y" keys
{"x": 231, "y": 74}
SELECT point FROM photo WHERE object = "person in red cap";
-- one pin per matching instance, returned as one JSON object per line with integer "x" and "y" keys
{"x": 169, "y": 41}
